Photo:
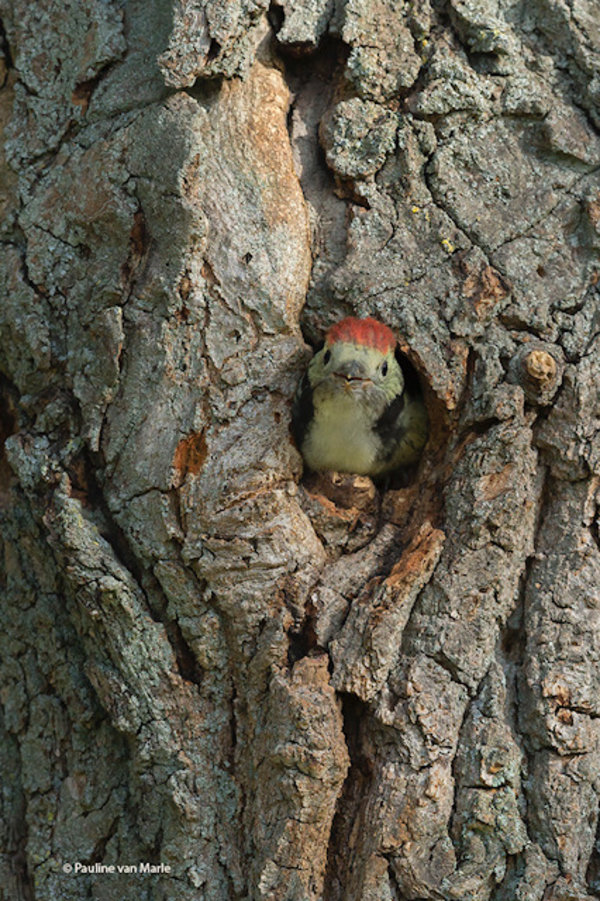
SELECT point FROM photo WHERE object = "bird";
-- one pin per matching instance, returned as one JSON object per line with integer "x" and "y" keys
{"x": 357, "y": 409}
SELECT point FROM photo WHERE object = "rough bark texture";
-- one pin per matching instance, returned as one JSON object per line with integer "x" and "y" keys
{"x": 293, "y": 689}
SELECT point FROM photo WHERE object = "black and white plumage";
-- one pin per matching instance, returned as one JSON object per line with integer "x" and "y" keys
{"x": 355, "y": 410}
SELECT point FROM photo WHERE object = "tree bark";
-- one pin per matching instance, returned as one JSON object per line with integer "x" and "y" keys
{"x": 285, "y": 688}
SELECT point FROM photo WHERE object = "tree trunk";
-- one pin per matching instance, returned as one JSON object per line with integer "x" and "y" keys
{"x": 277, "y": 687}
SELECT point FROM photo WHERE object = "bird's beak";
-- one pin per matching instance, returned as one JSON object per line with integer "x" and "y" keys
{"x": 352, "y": 371}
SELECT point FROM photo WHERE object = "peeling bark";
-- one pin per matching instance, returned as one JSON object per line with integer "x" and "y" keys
{"x": 278, "y": 685}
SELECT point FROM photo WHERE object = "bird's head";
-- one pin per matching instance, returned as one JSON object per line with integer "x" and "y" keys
{"x": 358, "y": 358}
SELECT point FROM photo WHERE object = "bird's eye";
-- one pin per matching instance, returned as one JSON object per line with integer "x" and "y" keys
{"x": 384, "y": 368}
{"x": 327, "y": 357}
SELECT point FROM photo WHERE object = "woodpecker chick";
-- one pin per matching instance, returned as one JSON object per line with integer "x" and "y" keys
{"x": 355, "y": 409}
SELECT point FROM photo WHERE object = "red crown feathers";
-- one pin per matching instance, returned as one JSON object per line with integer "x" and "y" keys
{"x": 368, "y": 332}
